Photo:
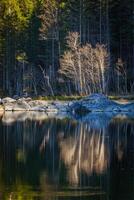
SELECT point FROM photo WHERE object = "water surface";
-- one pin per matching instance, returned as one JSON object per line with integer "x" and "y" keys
{"x": 60, "y": 158}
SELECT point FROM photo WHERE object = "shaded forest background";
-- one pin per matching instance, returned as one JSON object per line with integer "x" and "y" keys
{"x": 34, "y": 38}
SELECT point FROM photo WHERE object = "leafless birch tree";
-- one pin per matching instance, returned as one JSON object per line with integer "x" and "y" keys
{"x": 84, "y": 65}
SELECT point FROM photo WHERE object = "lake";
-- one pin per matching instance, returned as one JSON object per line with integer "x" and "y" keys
{"x": 63, "y": 158}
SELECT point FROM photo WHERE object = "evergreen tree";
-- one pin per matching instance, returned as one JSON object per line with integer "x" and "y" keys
{"x": 33, "y": 32}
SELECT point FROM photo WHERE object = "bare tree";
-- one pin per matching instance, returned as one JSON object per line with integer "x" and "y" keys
{"x": 101, "y": 62}
{"x": 84, "y": 65}
{"x": 71, "y": 65}
{"x": 46, "y": 81}
{"x": 121, "y": 74}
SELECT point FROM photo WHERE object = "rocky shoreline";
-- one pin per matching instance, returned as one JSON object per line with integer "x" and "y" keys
{"x": 93, "y": 103}
{"x": 99, "y": 103}
{"x": 27, "y": 104}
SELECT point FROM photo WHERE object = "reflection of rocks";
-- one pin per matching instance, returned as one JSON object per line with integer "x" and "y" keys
{"x": 96, "y": 120}
{"x": 12, "y": 117}
{"x": 102, "y": 119}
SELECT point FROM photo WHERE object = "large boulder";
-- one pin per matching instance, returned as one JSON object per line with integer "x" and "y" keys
{"x": 37, "y": 103}
{"x": 51, "y": 109}
{"x": 21, "y": 105}
{"x": 98, "y": 103}
{"x": 8, "y": 100}
{"x": 62, "y": 107}
{"x": 8, "y": 106}
{"x": 38, "y": 108}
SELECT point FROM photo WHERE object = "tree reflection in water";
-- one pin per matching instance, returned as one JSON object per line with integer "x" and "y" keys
{"x": 50, "y": 158}
{"x": 86, "y": 152}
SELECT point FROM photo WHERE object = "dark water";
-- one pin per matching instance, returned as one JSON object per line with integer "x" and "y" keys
{"x": 47, "y": 158}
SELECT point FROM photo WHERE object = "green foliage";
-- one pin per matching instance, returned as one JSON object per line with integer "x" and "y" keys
{"x": 15, "y": 14}
{"x": 62, "y": 5}
{"x": 21, "y": 56}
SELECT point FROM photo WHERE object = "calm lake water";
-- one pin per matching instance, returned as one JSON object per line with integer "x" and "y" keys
{"x": 60, "y": 158}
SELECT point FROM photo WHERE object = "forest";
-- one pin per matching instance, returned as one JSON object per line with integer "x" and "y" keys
{"x": 66, "y": 47}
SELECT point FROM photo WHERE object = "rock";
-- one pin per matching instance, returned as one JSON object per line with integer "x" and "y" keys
{"x": 26, "y": 104}
{"x": 51, "y": 108}
{"x": 1, "y": 107}
{"x": 61, "y": 106}
{"x": 38, "y": 108}
{"x": 28, "y": 99}
{"x": 25, "y": 99}
{"x": 8, "y": 100}
{"x": 128, "y": 107}
{"x": 1, "y": 111}
{"x": 93, "y": 103}
{"x": 98, "y": 103}
{"x": 38, "y": 103}
{"x": 8, "y": 106}
{"x": 21, "y": 105}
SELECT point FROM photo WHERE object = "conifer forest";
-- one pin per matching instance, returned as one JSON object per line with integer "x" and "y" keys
{"x": 66, "y": 99}
{"x": 66, "y": 47}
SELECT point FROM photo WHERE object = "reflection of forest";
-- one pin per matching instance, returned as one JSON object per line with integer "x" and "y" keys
{"x": 45, "y": 156}
{"x": 85, "y": 152}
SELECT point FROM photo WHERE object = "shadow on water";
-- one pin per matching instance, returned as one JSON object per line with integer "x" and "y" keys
{"x": 59, "y": 158}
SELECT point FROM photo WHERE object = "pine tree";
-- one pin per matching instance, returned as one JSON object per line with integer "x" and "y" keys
{"x": 15, "y": 16}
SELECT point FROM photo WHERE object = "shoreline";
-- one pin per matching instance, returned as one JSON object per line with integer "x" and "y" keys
{"x": 63, "y": 106}
{"x": 29, "y": 105}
